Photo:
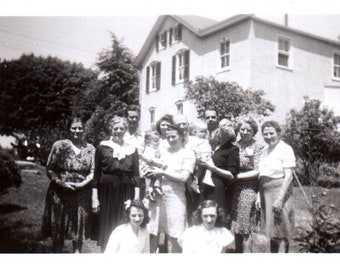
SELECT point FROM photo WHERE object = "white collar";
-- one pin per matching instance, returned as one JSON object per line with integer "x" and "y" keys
{"x": 119, "y": 151}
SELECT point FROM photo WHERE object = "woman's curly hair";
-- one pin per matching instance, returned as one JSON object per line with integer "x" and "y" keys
{"x": 167, "y": 118}
{"x": 221, "y": 219}
{"x": 140, "y": 205}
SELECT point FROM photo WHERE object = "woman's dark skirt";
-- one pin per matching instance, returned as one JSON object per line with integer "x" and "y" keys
{"x": 112, "y": 196}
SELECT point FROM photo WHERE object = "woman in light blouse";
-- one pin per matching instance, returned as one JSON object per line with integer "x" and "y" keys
{"x": 275, "y": 191}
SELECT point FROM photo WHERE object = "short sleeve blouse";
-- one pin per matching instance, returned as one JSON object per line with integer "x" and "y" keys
{"x": 197, "y": 239}
{"x": 124, "y": 240}
{"x": 272, "y": 163}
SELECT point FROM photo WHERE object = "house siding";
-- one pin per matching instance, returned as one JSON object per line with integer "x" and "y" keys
{"x": 253, "y": 64}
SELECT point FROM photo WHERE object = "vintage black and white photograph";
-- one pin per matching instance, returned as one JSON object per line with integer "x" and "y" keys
{"x": 187, "y": 131}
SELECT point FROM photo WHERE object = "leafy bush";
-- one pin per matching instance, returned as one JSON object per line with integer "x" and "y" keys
{"x": 9, "y": 172}
{"x": 323, "y": 236}
{"x": 228, "y": 98}
{"x": 313, "y": 134}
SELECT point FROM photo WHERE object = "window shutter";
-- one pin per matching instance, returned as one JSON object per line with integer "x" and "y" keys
{"x": 147, "y": 79}
{"x": 179, "y": 30}
{"x": 187, "y": 64}
{"x": 157, "y": 41}
{"x": 173, "y": 78}
{"x": 158, "y": 74}
{"x": 165, "y": 38}
{"x": 170, "y": 36}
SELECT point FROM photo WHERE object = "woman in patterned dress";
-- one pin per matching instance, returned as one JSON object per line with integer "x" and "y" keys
{"x": 243, "y": 211}
{"x": 116, "y": 179}
{"x": 168, "y": 213}
{"x": 70, "y": 167}
{"x": 276, "y": 166}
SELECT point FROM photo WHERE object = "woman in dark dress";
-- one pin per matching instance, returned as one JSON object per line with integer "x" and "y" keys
{"x": 70, "y": 167}
{"x": 116, "y": 179}
{"x": 224, "y": 166}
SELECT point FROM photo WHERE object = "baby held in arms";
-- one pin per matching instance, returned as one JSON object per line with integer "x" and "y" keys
{"x": 203, "y": 152}
{"x": 151, "y": 158}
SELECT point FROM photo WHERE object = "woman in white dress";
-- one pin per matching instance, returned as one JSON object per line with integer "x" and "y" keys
{"x": 276, "y": 167}
{"x": 208, "y": 235}
{"x": 132, "y": 236}
{"x": 168, "y": 213}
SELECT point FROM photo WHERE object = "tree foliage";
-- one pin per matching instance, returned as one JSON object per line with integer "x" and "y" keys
{"x": 228, "y": 98}
{"x": 9, "y": 172}
{"x": 117, "y": 87}
{"x": 38, "y": 94}
{"x": 312, "y": 132}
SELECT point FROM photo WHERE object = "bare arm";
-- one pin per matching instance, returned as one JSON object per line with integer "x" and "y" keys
{"x": 209, "y": 164}
{"x": 180, "y": 177}
{"x": 278, "y": 204}
{"x": 247, "y": 175}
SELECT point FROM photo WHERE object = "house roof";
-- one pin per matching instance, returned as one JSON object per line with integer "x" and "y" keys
{"x": 202, "y": 27}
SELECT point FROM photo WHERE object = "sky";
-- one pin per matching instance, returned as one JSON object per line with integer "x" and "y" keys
{"x": 78, "y": 31}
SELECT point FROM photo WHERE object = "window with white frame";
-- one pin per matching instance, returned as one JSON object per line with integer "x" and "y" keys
{"x": 224, "y": 53}
{"x": 161, "y": 41}
{"x": 152, "y": 115}
{"x": 336, "y": 67}
{"x": 180, "y": 66}
{"x": 175, "y": 34}
{"x": 153, "y": 76}
{"x": 179, "y": 106}
{"x": 284, "y": 45}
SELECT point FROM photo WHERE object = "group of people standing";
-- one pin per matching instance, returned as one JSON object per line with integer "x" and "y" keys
{"x": 180, "y": 187}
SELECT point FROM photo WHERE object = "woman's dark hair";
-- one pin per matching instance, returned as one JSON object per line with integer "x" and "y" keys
{"x": 167, "y": 118}
{"x": 74, "y": 120}
{"x": 175, "y": 127}
{"x": 250, "y": 121}
{"x": 272, "y": 124}
{"x": 140, "y": 205}
{"x": 221, "y": 219}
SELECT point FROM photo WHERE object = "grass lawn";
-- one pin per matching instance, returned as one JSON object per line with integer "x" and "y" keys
{"x": 21, "y": 214}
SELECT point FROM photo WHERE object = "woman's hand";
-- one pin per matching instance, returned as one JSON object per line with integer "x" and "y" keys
{"x": 95, "y": 201}
{"x": 66, "y": 185}
{"x": 258, "y": 202}
{"x": 95, "y": 206}
{"x": 79, "y": 185}
{"x": 156, "y": 172}
{"x": 206, "y": 163}
{"x": 277, "y": 206}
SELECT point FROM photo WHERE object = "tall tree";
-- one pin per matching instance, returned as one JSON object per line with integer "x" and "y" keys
{"x": 313, "y": 133}
{"x": 38, "y": 94}
{"x": 117, "y": 87}
{"x": 228, "y": 98}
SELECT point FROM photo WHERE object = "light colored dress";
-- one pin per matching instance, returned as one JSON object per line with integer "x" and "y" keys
{"x": 197, "y": 239}
{"x": 168, "y": 214}
{"x": 271, "y": 168}
{"x": 124, "y": 240}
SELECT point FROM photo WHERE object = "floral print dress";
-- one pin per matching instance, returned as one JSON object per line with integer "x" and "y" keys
{"x": 244, "y": 218}
{"x": 66, "y": 214}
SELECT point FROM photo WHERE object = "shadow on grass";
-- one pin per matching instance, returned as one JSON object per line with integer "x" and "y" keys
{"x": 7, "y": 208}
{"x": 20, "y": 237}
